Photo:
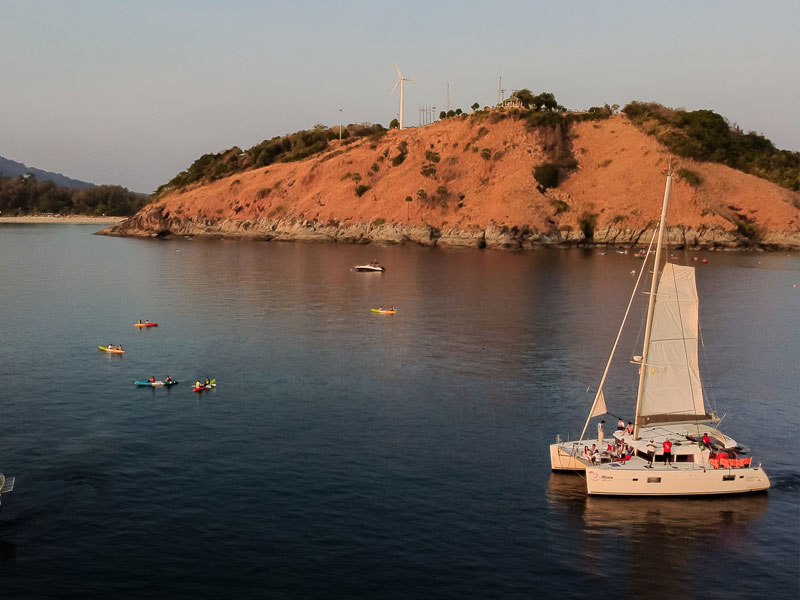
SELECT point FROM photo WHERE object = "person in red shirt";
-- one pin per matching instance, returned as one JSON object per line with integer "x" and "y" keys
{"x": 667, "y": 452}
{"x": 706, "y": 441}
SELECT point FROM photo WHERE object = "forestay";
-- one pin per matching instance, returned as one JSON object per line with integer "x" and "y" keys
{"x": 672, "y": 391}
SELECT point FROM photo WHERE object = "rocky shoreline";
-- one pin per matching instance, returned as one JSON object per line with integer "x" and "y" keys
{"x": 152, "y": 223}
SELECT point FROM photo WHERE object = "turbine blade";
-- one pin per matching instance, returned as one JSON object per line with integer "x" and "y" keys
{"x": 395, "y": 87}
{"x": 407, "y": 79}
{"x": 396, "y": 68}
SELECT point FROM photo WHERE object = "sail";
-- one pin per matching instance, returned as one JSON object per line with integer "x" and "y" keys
{"x": 672, "y": 391}
{"x": 599, "y": 405}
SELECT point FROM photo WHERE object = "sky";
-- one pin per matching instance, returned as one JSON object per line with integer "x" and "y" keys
{"x": 132, "y": 92}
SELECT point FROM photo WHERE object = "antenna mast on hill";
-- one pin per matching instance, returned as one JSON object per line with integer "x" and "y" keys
{"x": 500, "y": 90}
{"x": 401, "y": 83}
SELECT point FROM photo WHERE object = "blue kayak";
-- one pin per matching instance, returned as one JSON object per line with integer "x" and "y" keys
{"x": 156, "y": 383}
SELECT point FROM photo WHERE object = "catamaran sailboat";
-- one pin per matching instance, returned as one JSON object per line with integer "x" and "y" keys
{"x": 669, "y": 407}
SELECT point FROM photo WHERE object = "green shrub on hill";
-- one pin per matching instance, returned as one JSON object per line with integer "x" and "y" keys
{"x": 546, "y": 175}
{"x": 705, "y": 135}
{"x": 287, "y": 148}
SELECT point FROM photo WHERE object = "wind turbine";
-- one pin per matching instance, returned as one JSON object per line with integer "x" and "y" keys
{"x": 401, "y": 83}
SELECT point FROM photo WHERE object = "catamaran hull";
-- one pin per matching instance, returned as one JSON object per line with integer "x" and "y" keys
{"x": 561, "y": 458}
{"x": 606, "y": 481}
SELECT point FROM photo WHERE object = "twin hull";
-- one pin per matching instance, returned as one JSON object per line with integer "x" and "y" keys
{"x": 627, "y": 480}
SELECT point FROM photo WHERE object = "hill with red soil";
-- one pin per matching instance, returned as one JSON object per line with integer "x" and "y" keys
{"x": 469, "y": 181}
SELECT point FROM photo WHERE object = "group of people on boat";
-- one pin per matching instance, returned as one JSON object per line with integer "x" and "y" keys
{"x": 152, "y": 379}
{"x": 113, "y": 347}
{"x": 206, "y": 383}
{"x": 616, "y": 451}
{"x": 146, "y": 322}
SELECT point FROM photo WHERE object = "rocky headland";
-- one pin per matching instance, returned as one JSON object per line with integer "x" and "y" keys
{"x": 469, "y": 182}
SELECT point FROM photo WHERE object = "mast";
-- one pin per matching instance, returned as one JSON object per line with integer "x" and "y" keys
{"x": 651, "y": 303}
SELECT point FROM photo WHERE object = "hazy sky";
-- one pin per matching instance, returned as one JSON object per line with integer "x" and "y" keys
{"x": 131, "y": 92}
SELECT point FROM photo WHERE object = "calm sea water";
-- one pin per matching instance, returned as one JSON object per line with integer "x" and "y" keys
{"x": 346, "y": 454}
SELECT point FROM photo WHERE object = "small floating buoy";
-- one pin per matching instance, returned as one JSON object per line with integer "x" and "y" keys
{"x": 705, "y": 262}
{"x": 695, "y": 258}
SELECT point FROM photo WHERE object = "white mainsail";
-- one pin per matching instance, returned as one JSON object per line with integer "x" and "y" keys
{"x": 672, "y": 391}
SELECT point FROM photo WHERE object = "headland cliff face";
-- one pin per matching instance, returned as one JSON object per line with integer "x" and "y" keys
{"x": 466, "y": 182}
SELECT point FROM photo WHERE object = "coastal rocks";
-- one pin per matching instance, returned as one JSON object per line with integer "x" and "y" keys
{"x": 459, "y": 238}
{"x": 154, "y": 221}
{"x": 781, "y": 240}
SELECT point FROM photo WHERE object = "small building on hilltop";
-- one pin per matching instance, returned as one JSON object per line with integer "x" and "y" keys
{"x": 512, "y": 102}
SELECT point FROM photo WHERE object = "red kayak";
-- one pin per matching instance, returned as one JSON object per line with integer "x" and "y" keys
{"x": 204, "y": 386}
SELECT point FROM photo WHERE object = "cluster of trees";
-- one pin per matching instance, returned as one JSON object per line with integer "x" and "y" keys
{"x": 287, "y": 148}
{"x": 705, "y": 135}
{"x": 25, "y": 195}
{"x": 544, "y": 102}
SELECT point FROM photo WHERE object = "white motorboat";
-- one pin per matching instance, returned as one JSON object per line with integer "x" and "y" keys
{"x": 6, "y": 485}
{"x": 372, "y": 267}
{"x": 670, "y": 407}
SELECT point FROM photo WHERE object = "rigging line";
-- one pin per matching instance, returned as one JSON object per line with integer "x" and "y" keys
{"x": 616, "y": 341}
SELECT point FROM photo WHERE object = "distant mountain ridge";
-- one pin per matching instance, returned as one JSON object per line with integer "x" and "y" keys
{"x": 12, "y": 168}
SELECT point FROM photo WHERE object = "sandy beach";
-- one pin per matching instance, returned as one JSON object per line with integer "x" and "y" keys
{"x": 78, "y": 219}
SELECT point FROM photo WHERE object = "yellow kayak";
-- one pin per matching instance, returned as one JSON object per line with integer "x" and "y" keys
{"x": 111, "y": 350}
{"x": 383, "y": 311}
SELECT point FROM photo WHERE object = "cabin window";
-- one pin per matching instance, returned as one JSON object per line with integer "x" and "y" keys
{"x": 684, "y": 458}
{"x": 729, "y": 478}
{"x": 654, "y": 480}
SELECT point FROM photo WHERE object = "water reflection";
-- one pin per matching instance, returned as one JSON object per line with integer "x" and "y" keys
{"x": 657, "y": 543}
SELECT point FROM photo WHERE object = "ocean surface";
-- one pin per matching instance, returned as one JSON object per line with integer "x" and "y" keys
{"x": 346, "y": 454}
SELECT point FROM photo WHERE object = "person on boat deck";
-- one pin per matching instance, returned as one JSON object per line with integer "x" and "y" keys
{"x": 595, "y": 453}
{"x": 620, "y": 425}
{"x": 587, "y": 454}
{"x": 651, "y": 453}
{"x": 152, "y": 379}
{"x": 667, "y": 452}
{"x": 707, "y": 441}
{"x": 629, "y": 428}
{"x": 600, "y": 433}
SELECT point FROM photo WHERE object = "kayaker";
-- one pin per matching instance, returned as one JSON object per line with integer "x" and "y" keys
{"x": 147, "y": 321}
{"x": 197, "y": 384}
{"x": 207, "y": 381}
{"x": 152, "y": 379}
{"x": 168, "y": 379}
